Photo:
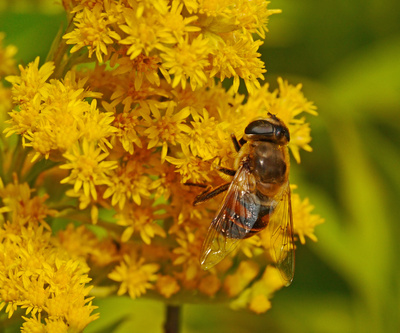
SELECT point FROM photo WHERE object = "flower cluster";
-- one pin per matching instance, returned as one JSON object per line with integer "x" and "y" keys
{"x": 36, "y": 274}
{"x": 144, "y": 113}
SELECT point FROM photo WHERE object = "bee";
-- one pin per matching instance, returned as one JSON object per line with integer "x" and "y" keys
{"x": 258, "y": 197}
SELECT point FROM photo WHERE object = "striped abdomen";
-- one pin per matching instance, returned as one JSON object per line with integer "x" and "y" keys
{"x": 249, "y": 216}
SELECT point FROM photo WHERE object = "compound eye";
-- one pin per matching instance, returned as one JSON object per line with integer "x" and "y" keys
{"x": 259, "y": 127}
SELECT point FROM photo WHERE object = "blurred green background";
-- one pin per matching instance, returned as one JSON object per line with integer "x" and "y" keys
{"x": 347, "y": 55}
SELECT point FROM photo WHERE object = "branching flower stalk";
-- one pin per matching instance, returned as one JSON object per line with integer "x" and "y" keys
{"x": 109, "y": 132}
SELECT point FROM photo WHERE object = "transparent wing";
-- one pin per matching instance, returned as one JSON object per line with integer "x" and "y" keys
{"x": 234, "y": 220}
{"x": 281, "y": 228}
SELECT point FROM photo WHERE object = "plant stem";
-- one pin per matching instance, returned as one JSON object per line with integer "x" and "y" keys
{"x": 172, "y": 319}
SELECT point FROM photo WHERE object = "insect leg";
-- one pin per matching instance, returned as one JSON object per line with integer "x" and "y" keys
{"x": 237, "y": 144}
{"x": 208, "y": 194}
{"x": 196, "y": 184}
{"x": 226, "y": 171}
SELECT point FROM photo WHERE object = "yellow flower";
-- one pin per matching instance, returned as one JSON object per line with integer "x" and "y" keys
{"x": 236, "y": 14}
{"x": 176, "y": 24}
{"x": 190, "y": 168}
{"x": 57, "y": 325}
{"x": 78, "y": 315}
{"x": 167, "y": 183}
{"x": 36, "y": 276}
{"x": 251, "y": 246}
{"x": 79, "y": 242}
{"x": 187, "y": 61}
{"x": 127, "y": 125}
{"x": 304, "y": 222}
{"x": 257, "y": 296}
{"x": 235, "y": 283}
{"x": 167, "y": 286}
{"x": 188, "y": 253}
{"x": 165, "y": 128}
{"x": 153, "y": 93}
{"x": 129, "y": 94}
{"x": 135, "y": 276}
{"x": 253, "y": 15}
{"x": 146, "y": 67}
{"x": 88, "y": 168}
{"x": 5, "y": 105}
{"x": 7, "y": 61}
{"x": 259, "y": 304}
{"x": 127, "y": 182}
{"x": 144, "y": 31}
{"x": 142, "y": 219}
{"x": 82, "y": 243}
{"x": 92, "y": 31}
{"x": 287, "y": 102}
{"x": 191, "y": 5}
{"x": 300, "y": 137}
{"x": 30, "y": 82}
{"x": 96, "y": 126}
{"x": 57, "y": 115}
{"x": 210, "y": 285}
{"x": 239, "y": 59}
{"x": 34, "y": 324}
{"x": 17, "y": 200}
{"x": 205, "y": 136}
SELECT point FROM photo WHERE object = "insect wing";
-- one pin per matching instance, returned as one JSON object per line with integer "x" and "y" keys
{"x": 282, "y": 242}
{"x": 235, "y": 218}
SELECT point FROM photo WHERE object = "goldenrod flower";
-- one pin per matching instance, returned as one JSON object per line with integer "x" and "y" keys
{"x": 88, "y": 168}
{"x": 135, "y": 276}
{"x": 127, "y": 182}
{"x": 252, "y": 16}
{"x": 191, "y": 168}
{"x": 144, "y": 32}
{"x": 239, "y": 59}
{"x": 205, "y": 133}
{"x": 288, "y": 102}
{"x": 176, "y": 24}
{"x": 165, "y": 128}
{"x": 167, "y": 182}
{"x": 257, "y": 296}
{"x": 7, "y": 61}
{"x": 53, "y": 115}
{"x": 34, "y": 324}
{"x": 111, "y": 140}
{"x": 30, "y": 82}
{"x": 235, "y": 283}
{"x": 36, "y": 275}
{"x": 5, "y": 105}
{"x": 304, "y": 221}
{"x": 17, "y": 200}
{"x": 187, "y": 252}
{"x": 127, "y": 125}
{"x": 92, "y": 30}
{"x": 210, "y": 285}
{"x": 167, "y": 286}
{"x": 187, "y": 61}
{"x": 141, "y": 219}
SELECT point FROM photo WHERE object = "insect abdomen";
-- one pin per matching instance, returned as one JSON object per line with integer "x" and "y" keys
{"x": 253, "y": 218}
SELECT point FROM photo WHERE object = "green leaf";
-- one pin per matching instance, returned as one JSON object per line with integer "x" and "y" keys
{"x": 368, "y": 80}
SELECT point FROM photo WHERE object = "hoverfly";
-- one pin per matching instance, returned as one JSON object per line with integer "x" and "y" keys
{"x": 258, "y": 197}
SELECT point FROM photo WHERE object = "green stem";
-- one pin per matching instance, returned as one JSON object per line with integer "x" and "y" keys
{"x": 18, "y": 160}
{"x": 38, "y": 168}
{"x": 59, "y": 49}
{"x": 172, "y": 319}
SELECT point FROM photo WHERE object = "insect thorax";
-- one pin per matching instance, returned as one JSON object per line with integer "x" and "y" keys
{"x": 269, "y": 162}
